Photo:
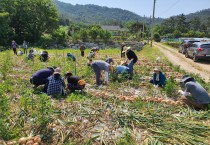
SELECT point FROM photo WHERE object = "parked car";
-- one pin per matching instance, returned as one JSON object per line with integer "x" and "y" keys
{"x": 198, "y": 50}
{"x": 185, "y": 44}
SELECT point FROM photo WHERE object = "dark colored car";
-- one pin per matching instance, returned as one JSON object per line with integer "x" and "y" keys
{"x": 198, "y": 50}
{"x": 185, "y": 44}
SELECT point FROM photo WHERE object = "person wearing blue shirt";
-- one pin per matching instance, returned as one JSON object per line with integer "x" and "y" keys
{"x": 71, "y": 56}
{"x": 159, "y": 79}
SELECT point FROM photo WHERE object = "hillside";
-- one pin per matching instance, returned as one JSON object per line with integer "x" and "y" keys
{"x": 96, "y": 14}
{"x": 203, "y": 15}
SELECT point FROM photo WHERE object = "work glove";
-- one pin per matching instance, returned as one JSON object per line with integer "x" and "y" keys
{"x": 180, "y": 91}
{"x": 155, "y": 86}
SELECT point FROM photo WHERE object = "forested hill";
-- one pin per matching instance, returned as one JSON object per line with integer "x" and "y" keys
{"x": 204, "y": 15}
{"x": 97, "y": 14}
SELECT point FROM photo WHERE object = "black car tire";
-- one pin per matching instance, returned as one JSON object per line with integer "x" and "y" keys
{"x": 183, "y": 51}
{"x": 187, "y": 55}
{"x": 195, "y": 59}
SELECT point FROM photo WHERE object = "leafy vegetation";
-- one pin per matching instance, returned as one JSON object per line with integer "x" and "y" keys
{"x": 98, "y": 115}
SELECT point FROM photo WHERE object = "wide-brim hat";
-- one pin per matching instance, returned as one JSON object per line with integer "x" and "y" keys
{"x": 57, "y": 71}
{"x": 126, "y": 49}
{"x": 156, "y": 69}
{"x": 187, "y": 78}
{"x": 67, "y": 74}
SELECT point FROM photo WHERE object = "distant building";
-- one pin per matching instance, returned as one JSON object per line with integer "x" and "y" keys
{"x": 115, "y": 30}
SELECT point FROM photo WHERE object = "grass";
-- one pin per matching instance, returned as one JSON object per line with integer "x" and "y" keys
{"x": 97, "y": 116}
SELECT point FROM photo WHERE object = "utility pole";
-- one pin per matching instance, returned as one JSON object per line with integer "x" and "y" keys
{"x": 143, "y": 27}
{"x": 153, "y": 17}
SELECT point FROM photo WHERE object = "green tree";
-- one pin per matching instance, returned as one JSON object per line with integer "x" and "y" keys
{"x": 5, "y": 30}
{"x": 181, "y": 24}
{"x": 31, "y": 18}
{"x": 60, "y": 35}
{"x": 83, "y": 34}
{"x": 94, "y": 32}
{"x": 157, "y": 37}
{"x": 195, "y": 24}
{"x": 107, "y": 35}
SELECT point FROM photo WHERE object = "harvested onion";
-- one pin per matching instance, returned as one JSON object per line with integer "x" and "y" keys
{"x": 22, "y": 140}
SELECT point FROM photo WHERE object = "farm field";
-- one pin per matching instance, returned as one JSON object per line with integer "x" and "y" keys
{"x": 125, "y": 112}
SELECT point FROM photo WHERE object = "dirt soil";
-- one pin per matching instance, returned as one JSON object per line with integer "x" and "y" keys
{"x": 201, "y": 68}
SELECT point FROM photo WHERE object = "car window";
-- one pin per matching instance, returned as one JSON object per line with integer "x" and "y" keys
{"x": 193, "y": 41}
{"x": 194, "y": 45}
{"x": 205, "y": 46}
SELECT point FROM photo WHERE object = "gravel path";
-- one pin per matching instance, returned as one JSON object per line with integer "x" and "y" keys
{"x": 201, "y": 68}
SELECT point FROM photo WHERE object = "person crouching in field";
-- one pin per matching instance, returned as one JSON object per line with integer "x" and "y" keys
{"x": 30, "y": 55}
{"x": 71, "y": 57}
{"x": 43, "y": 56}
{"x": 56, "y": 84}
{"x": 159, "y": 79}
{"x": 41, "y": 78}
{"x": 194, "y": 95}
{"x": 98, "y": 66}
{"x": 131, "y": 56}
{"x": 74, "y": 82}
{"x": 124, "y": 69}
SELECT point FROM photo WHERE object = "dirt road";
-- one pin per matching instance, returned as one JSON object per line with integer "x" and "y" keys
{"x": 200, "y": 68}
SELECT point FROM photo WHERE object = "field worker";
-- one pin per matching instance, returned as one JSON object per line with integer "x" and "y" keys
{"x": 30, "y": 55}
{"x": 124, "y": 68}
{"x": 19, "y": 53}
{"x": 121, "y": 52}
{"x": 71, "y": 56}
{"x": 95, "y": 49}
{"x": 82, "y": 50}
{"x": 194, "y": 95}
{"x": 34, "y": 51}
{"x": 98, "y": 66}
{"x": 41, "y": 77}
{"x": 109, "y": 60}
{"x": 74, "y": 82}
{"x": 56, "y": 84}
{"x": 91, "y": 55}
{"x": 44, "y": 56}
{"x": 131, "y": 56}
{"x": 25, "y": 46}
{"x": 14, "y": 47}
{"x": 159, "y": 79}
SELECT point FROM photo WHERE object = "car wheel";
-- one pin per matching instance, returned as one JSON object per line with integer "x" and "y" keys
{"x": 183, "y": 51}
{"x": 195, "y": 58}
{"x": 186, "y": 55}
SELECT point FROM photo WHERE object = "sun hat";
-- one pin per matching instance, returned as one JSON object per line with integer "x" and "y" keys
{"x": 67, "y": 74}
{"x": 187, "y": 78}
{"x": 156, "y": 69}
{"x": 57, "y": 71}
{"x": 126, "y": 49}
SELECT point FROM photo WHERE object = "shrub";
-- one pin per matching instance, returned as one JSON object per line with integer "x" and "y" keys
{"x": 157, "y": 37}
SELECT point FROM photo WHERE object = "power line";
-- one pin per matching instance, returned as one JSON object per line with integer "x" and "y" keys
{"x": 174, "y": 4}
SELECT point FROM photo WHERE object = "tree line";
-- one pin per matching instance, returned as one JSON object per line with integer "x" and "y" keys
{"x": 180, "y": 26}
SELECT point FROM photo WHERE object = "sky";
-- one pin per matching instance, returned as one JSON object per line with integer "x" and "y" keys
{"x": 163, "y": 8}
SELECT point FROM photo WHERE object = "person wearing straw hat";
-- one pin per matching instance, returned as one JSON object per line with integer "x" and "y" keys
{"x": 159, "y": 79}
{"x": 194, "y": 95}
{"x": 132, "y": 57}
{"x": 74, "y": 82}
{"x": 56, "y": 84}
{"x": 98, "y": 66}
